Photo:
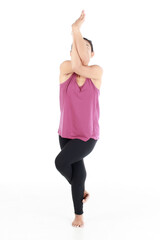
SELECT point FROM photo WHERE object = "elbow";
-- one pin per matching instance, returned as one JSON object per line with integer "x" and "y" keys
{"x": 75, "y": 67}
{"x": 85, "y": 61}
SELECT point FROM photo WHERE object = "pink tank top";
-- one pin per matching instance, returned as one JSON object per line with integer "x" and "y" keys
{"x": 79, "y": 108}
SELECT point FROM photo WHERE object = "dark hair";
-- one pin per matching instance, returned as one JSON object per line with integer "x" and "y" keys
{"x": 90, "y": 42}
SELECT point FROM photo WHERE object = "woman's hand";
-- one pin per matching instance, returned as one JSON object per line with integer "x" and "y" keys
{"x": 79, "y": 21}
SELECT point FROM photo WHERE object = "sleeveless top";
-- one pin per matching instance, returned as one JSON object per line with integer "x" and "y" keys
{"x": 79, "y": 106}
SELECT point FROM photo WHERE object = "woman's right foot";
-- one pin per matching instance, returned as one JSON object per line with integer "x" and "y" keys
{"x": 86, "y": 196}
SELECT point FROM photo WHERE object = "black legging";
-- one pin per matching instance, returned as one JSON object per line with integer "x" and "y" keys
{"x": 69, "y": 162}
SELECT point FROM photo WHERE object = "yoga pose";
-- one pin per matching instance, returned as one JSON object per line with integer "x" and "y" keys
{"x": 78, "y": 130}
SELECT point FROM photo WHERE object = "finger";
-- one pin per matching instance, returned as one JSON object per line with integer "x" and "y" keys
{"x": 83, "y": 14}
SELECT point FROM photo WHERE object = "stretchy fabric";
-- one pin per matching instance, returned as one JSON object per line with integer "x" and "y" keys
{"x": 80, "y": 110}
{"x": 69, "y": 162}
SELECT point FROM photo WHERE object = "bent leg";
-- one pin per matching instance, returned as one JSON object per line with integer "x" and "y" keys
{"x": 74, "y": 151}
{"x": 63, "y": 141}
{"x": 70, "y": 163}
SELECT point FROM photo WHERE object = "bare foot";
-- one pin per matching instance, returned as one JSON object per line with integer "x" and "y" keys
{"x": 78, "y": 221}
{"x": 86, "y": 196}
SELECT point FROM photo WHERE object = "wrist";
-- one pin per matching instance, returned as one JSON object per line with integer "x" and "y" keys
{"x": 75, "y": 28}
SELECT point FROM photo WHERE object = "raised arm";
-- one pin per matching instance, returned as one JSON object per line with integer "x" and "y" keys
{"x": 94, "y": 72}
{"x": 75, "y": 58}
{"x": 79, "y": 41}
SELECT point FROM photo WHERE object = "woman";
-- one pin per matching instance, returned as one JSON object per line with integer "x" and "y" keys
{"x": 78, "y": 128}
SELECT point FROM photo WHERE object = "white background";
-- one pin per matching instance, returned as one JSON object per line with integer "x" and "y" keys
{"x": 123, "y": 169}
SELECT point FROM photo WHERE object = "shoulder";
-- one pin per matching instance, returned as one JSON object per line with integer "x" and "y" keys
{"x": 97, "y": 80}
{"x": 99, "y": 70}
{"x": 64, "y": 63}
{"x": 65, "y": 70}
{"x": 66, "y": 67}
{"x": 97, "y": 66}
{"x": 96, "y": 76}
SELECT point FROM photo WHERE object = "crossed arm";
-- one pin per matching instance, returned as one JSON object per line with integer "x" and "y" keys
{"x": 79, "y": 54}
{"x": 75, "y": 58}
{"x": 80, "y": 45}
{"x": 94, "y": 72}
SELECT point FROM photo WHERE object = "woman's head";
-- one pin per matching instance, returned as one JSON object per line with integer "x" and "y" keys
{"x": 89, "y": 47}
{"x": 90, "y": 43}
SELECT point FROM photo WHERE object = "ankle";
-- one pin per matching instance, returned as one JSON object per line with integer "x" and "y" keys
{"x": 79, "y": 215}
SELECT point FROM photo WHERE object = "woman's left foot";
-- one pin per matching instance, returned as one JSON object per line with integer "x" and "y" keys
{"x": 86, "y": 196}
{"x": 78, "y": 221}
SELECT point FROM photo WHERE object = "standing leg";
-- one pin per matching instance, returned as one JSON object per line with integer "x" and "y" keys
{"x": 78, "y": 185}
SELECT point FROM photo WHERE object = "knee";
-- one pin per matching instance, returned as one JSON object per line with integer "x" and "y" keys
{"x": 58, "y": 163}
